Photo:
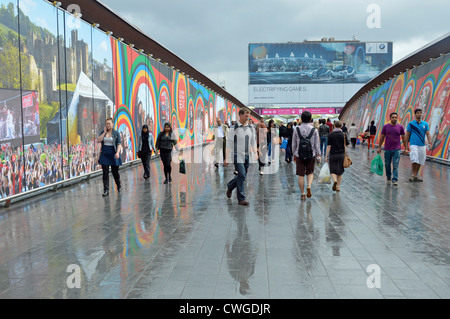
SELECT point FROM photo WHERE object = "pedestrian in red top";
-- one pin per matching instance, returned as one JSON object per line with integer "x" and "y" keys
{"x": 330, "y": 125}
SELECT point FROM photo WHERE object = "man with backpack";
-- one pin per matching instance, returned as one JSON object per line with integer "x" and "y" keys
{"x": 306, "y": 149}
{"x": 324, "y": 130}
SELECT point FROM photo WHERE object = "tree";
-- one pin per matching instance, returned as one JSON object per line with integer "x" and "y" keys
{"x": 9, "y": 68}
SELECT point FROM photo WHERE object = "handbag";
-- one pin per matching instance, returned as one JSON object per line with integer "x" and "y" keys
{"x": 182, "y": 167}
{"x": 284, "y": 144}
{"x": 139, "y": 154}
{"x": 347, "y": 161}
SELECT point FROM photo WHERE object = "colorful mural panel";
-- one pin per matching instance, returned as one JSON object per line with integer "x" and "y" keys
{"x": 61, "y": 78}
{"x": 426, "y": 87}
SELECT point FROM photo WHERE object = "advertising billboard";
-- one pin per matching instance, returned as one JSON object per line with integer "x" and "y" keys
{"x": 291, "y": 72}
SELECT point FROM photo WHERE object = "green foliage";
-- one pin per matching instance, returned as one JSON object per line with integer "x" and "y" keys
{"x": 70, "y": 87}
{"x": 9, "y": 68}
{"x": 46, "y": 113}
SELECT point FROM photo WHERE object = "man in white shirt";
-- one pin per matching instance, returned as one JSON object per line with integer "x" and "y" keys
{"x": 219, "y": 137}
{"x": 353, "y": 134}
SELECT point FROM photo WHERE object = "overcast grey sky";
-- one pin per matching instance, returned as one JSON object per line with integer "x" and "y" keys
{"x": 213, "y": 36}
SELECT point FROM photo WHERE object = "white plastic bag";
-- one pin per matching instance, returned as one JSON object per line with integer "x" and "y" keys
{"x": 324, "y": 175}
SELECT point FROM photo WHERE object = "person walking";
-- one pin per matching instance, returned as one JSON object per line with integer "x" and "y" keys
{"x": 344, "y": 128}
{"x": 330, "y": 125}
{"x": 282, "y": 130}
{"x": 288, "y": 135}
{"x": 145, "y": 147}
{"x": 111, "y": 147}
{"x": 271, "y": 134}
{"x": 306, "y": 149}
{"x": 373, "y": 132}
{"x": 353, "y": 134}
{"x": 220, "y": 139}
{"x": 392, "y": 133}
{"x": 261, "y": 144}
{"x": 241, "y": 143}
{"x": 324, "y": 130}
{"x": 415, "y": 136}
{"x": 165, "y": 142}
{"x": 336, "y": 151}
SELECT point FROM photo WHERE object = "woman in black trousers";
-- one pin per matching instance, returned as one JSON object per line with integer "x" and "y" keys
{"x": 289, "y": 134}
{"x": 164, "y": 143}
{"x": 110, "y": 155}
{"x": 145, "y": 149}
{"x": 335, "y": 156}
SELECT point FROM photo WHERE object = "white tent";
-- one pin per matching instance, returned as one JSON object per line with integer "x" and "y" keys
{"x": 85, "y": 88}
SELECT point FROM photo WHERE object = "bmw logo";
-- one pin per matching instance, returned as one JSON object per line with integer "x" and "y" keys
{"x": 382, "y": 46}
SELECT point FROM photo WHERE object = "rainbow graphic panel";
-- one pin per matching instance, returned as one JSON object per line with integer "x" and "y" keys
{"x": 426, "y": 87}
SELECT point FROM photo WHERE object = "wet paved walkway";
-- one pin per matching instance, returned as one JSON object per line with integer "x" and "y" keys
{"x": 187, "y": 240}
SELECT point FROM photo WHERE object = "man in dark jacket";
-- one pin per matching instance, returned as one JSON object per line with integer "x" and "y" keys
{"x": 324, "y": 130}
{"x": 282, "y": 130}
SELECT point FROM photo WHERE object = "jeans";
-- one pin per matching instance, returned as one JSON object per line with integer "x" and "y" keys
{"x": 392, "y": 156}
{"x": 288, "y": 156}
{"x": 323, "y": 145}
{"x": 239, "y": 180}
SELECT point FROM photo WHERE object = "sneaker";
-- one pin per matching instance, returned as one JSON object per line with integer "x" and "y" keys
{"x": 229, "y": 193}
{"x": 394, "y": 183}
{"x": 388, "y": 180}
{"x": 261, "y": 173}
{"x": 236, "y": 173}
{"x": 170, "y": 180}
{"x": 105, "y": 193}
{"x": 243, "y": 203}
{"x": 418, "y": 179}
{"x": 412, "y": 179}
{"x": 216, "y": 165}
{"x": 166, "y": 181}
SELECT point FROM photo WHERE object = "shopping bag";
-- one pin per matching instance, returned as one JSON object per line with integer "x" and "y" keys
{"x": 182, "y": 167}
{"x": 284, "y": 144}
{"x": 377, "y": 165}
{"x": 182, "y": 163}
{"x": 324, "y": 175}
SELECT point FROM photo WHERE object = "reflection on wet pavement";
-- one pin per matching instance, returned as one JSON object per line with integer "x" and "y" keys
{"x": 187, "y": 240}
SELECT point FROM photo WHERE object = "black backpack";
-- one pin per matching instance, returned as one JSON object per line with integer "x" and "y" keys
{"x": 305, "y": 151}
{"x": 324, "y": 130}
